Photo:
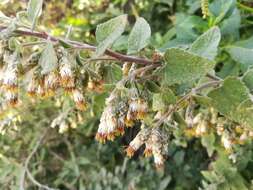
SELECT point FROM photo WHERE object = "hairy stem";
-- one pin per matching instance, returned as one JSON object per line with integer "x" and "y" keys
{"x": 184, "y": 98}
{"x": 79, "y": 45}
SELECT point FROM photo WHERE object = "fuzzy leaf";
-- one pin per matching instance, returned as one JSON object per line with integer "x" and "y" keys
{"x": 241, "y": 55}
{"x": 183, "y": 66}
{"x": 108, "y": 32}
{"x": 163, "y": 99}
{"x": 48, "y": 59}
{"x": 33, "y": 11}
{"x": 207, "y": 44}
{"x": 248, "y": 79}
{"x": 139, "y": 36}
{"x": 232, "y": 99}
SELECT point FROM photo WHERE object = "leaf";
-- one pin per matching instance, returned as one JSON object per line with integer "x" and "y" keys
{"x": 241, "y": 55}
{"x": 139, "y": 36}
{"x": 207, "y": 44}
{"x": 163, "y": 99}
{"x": 232, "y": 99}
{"x": 182, "y": 66}
{"x": 112, "y": 73}
{"x": 186, "y": 27}
{"x": 248, "y": 79}
{"x": 108, "y": 32}
{"x": 33, "y": 11}
{"x": 208, "y": 142}
{"x": 222, "y": 9}
{"x": 48, "y": 59}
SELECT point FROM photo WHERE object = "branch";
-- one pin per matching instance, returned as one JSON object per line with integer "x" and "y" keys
{"x": 184, "y": 98}
{"x": 26, "y": 166}
{"x": 79, "y": 45}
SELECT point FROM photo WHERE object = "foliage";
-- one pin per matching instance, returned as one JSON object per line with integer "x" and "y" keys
{"x": 86, "y": 89}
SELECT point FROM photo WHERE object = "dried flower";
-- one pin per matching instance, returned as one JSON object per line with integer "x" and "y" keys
{"x": 11, "y": 98}
{"x": 79, "y": 99}
{"x": 138, "y": 141}
{"x": 10, "y": 79}
{"x": 51, "y": 83}
{"x": 32, "y": 87}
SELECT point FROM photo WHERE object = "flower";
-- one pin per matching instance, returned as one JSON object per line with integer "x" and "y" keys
{"x": 32, "y": 88}
{"x": 66, "y": 76}
{"x": 138, "y": 141}
{"x": 108, "y": 126}
{"x": 137, "y": 109}
{"x": 11, "y": 98}
{"x": 63, "y": 127}
{"x": 10, "y": 79}
{"x": 51, "y": 83}
{"x": 79, "y": 99}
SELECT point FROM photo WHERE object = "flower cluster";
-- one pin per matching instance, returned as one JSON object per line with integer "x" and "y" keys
{"x": 120, "y": 112}
{"x": 156, "y": 144}
{"x": 9, "y": 80}
{"x": 231, "y": 134}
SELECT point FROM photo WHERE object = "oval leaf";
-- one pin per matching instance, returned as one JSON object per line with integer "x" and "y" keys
{"x": 183, "y": 66}
{"x": 33, "y": 11}
{"x": 207, "y": 44}
{"x": 48, "y": 59}
{"x": 108, "y": 32}
{"x": 139, "y": 36}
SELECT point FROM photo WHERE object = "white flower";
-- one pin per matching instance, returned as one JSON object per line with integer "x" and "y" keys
{"x": 10, "y": 79}
{"x": 63, "y": 127}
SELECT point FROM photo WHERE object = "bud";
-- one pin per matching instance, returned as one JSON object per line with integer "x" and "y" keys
{"x": 63, "y": 127}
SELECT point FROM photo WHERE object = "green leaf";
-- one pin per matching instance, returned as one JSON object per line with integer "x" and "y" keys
{"x": 186, "y": 27}
{"x": 207, "y": 44}
{"x": 48, "y": 59}
{"x": 182, "y": 66}
{"x": 248, "y": 79}
{"x": 112, "y": 73}
{"x": 208, "y": 142}
{"x": 222, "y": 9}
{"x": 33, "y": 11}
{"x": 241, "y": 55}
{"x": 139, "y": 36}
{"x": 108, "y": 32}
{"x": 163, "y": 99}
{"x": 233, "y": 100}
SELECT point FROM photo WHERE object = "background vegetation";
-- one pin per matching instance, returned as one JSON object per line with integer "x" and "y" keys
{"x": 74, "y": 160}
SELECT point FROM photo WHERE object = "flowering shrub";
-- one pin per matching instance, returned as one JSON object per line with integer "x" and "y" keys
{"x": 190, "y": 90}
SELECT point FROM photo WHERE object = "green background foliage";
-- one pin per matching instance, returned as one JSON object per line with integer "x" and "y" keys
{"x": 74, "y": 160}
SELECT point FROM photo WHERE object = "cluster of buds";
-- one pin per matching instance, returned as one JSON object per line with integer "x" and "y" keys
{"x": 118, "y": 114}
{"x": 9, "y": 80}
{"x": 156, "y": 144}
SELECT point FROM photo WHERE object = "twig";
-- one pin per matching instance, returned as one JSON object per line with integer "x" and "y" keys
{"x": 184, "y": 98}
{"x": 26, "y": 166}
{"x": 79, "y": 45}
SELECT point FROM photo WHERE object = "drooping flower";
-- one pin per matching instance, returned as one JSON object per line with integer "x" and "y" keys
{"x": 138, "y": 141}
{"x": 79, "y": 99}
{"x": 51, "y": 83}
{"x": 10, "y": 79}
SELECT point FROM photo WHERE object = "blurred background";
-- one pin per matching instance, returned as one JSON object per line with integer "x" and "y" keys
{"x": 74, "y": 160}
